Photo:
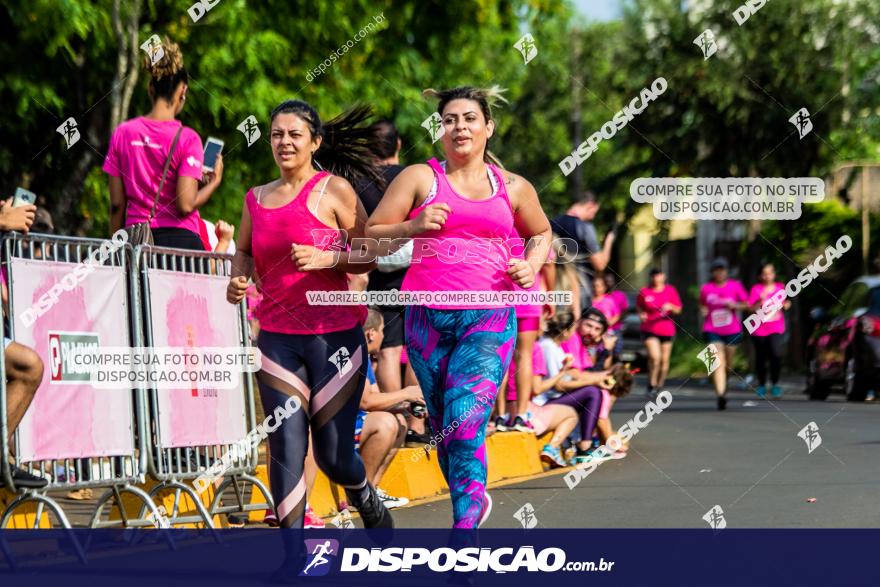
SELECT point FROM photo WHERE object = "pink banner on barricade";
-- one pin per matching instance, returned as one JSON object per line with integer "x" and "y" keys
{"x": 68, "y": 417}
{"x": 190, "y": 310}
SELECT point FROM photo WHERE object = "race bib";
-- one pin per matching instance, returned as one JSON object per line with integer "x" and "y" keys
{"x": 721, "y": 318}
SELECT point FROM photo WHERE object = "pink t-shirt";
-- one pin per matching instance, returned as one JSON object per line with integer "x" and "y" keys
{"x": 721, "y": 319}
{"x": 608, "y": 306}
{"x": 574, "y": 346}
{"x": 775, "y": 322}
{"x": 622, "y": 304}
{"x": 137, "y": 154}
{"x": 650, "y": 302}
{"x": 539, "y": 367}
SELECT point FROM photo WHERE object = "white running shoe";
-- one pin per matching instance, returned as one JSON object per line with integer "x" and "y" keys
{"x": 390, "y": 501}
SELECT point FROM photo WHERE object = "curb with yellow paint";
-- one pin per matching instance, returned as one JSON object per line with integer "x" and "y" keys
{"x": 415, "y": 473}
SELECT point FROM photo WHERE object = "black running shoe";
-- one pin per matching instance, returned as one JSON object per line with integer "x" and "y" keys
{"x": 722, "y": 402}
{"x": 22, "y": 478}
{"x": 372, "y": 511}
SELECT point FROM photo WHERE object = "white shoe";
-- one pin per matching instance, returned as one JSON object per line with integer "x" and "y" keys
{"x": 390, "y": 501}
{"x": 487, "y": 508}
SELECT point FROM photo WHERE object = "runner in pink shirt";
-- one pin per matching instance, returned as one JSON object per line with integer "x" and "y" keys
{"x": 136, "y": 160}
{"x": 657, "y": 303}
{"x": 767, "y": 337}
{"x": 720, "y": 300}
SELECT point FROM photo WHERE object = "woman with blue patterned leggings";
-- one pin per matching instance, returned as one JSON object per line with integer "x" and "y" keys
{"x": 459, "y": 341}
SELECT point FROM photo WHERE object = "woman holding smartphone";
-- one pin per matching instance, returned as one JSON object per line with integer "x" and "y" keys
{"x": 155, "y": 163}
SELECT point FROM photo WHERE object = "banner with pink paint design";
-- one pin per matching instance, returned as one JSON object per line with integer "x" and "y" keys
{"x": 69, "y": 418}
{"x": 190, "y": 310}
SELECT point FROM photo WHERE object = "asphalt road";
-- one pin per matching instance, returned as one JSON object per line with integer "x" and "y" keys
{"x": 749, "y": 460}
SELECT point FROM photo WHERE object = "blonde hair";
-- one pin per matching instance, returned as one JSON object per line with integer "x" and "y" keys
{"x": 168, "y": 72}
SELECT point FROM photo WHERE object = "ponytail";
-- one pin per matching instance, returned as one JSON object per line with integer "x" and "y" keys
{"x": 167, "y": 73}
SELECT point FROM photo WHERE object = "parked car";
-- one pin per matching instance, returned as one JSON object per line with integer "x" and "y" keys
{"x": 633, "y": 349}
{"x": 844, "y": 348}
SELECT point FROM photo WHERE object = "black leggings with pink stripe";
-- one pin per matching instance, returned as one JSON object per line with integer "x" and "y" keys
{"x": 326, "y": 372}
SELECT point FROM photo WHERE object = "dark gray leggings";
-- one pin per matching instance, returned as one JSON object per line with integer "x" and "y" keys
{"x": 586, "y": 401}
{"x": 326, "y": 373}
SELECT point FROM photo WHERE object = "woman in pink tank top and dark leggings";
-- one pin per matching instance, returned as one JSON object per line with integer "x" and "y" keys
{"x": 294, "y": 234}
{"x": 462, "y": 215}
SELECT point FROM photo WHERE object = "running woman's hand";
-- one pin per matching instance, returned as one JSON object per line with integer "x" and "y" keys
{"x": 567, "y": 360}
{"x": 236, "y": 289}
{"x": 432, "y": 217}
{"x": 521, "y": 272}
{"x": 308, "y": 258}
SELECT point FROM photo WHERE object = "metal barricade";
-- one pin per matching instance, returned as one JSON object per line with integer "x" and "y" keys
{"x": 120, "y": 473}
{"x": 173, "y": 466}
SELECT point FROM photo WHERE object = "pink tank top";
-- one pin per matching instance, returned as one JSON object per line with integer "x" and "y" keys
{"x": 469, "y": 253}
{"x": 285, "y": 307}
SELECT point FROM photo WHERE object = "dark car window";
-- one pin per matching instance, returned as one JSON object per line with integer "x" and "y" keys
{"x": 874, "y": 306}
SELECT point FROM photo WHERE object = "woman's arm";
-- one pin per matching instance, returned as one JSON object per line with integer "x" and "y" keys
{"x": 374, "y": 401}
{"x": 117, "y": 204}
{"x": 190, "y": 197}
{"x": 242, "y": 262}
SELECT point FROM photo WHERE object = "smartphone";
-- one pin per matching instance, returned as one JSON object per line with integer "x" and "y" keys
{"x": 213, "y": 147}
{"x": 23, "y": 197}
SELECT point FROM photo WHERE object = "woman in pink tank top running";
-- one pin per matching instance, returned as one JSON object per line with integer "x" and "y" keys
{"x": 294, "y": 237}
{"x": 460, "y": 336}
